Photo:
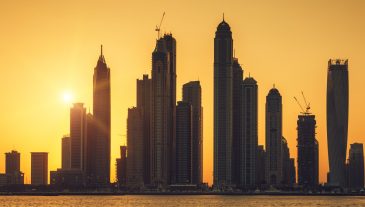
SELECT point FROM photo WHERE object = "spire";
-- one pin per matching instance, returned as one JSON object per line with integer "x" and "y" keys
{"x": 101, "y": 57}
{"x": 223, "y": 16}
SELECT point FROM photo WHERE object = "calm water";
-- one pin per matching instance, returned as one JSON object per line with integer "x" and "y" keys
{"x": 209, "y": 200}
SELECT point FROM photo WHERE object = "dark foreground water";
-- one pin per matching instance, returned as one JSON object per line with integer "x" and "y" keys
{"x": 173, "y": 201}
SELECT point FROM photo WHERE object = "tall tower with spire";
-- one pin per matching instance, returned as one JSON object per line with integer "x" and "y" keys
{"x": 163, "y": 112}
{"x": 101, "y": 111}
{"x": 223, "y": 60}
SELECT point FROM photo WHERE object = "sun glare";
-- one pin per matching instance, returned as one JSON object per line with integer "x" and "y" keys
{"x": 67, "y": 97}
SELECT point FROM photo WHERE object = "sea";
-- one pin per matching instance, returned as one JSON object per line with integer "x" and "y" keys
{"x": 181, "y": 200}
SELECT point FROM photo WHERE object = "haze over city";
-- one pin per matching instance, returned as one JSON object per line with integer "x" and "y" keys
{"x": 49, "y": 51}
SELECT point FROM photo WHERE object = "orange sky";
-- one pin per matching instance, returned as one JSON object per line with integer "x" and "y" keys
{"x": 48, "y": 47}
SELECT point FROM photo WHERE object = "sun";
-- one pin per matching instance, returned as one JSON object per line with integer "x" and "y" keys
{"x": 67, "y": 97}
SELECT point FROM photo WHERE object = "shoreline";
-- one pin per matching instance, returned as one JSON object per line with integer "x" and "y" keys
{"x": 174, "y": 194}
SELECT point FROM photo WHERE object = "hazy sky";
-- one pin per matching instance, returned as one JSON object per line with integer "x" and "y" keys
{"x": 49, "y": 47}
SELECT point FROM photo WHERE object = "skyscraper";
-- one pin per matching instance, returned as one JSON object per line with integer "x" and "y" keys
{"x": 193, "y": 95}
{"x": 273, "y": 137}
{"x": 260, "y": 165}
{"x": 122, "y": 166}
{"x": 90, "y": 169}
{"x": 78, "y": 136}
{"x": 307, "y": 151}
{"x": 163, "y": 113}
{"x": 249, "y": 136}
{"x": 171, "y": 49}
{"x": 293, "y": 173}
{"x": 184, "y": 134}
{"x": 144, "y": 103}
{"x": 12, "y": 168}
{"x": 39, "y": 168}
{"x": 356, "y": 166}
{"x": 135, "y": 176}
{"x": 285, "y": 156}
{"x": 337, "y": 118}
{"x": 223, "y": 60}
{"x": 101, "y": 112}
{"x": 237, "y": 80}
{"x": 66, "y": 152}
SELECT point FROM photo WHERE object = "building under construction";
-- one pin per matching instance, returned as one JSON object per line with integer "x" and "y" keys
{"x": 307, "y": 151}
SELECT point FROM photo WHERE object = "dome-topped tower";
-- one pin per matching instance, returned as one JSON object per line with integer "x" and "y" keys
{"x": 223, "y": 29}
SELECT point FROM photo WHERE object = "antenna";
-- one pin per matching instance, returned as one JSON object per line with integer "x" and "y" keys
{"x": 158, "y": 28}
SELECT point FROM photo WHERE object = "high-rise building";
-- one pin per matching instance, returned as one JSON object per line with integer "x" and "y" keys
{"x": 307, "y": 151}
{"x": 171, "y": 49}
{"x": 66, "y": 152}
{"x": 135, "y": 148}
{"x": 192, "y": 94}
{"x": 223, "y": 60}
{"x": 12, "y": 162}
{"x": 293, "y": 173}
{"x": 90, "y": 168}
{"x": 144, "y": 103}
{"x": 78, "y": 136}
{"x": 285, "y": 156}
{"x": 101, "y": 112}
{"x": 122, "y": 166}
{"x": 337, "y": 119}
{"x": 39, "y": 168}
{"x": 12, "y": 168}
{"x": 163, "y": 112}
{"x": 237, "y": 80}
{"x": 356, "y": 166}
{"x": 260, "y": 165}
{"x": 249, "y": 135}
{"x": 184, "y": 134}
{"x": 273, "y": 137}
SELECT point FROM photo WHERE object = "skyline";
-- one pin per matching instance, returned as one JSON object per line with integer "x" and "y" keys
{"x": 80, "y": 74}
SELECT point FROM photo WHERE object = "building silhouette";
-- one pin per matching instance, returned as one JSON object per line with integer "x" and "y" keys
{"x": 101, "y": 112}
{"x": 307, "y": 151}
{"x": 356, "y": 166}
{"x": 273, "y": 137}
{"x": 337, "y": 119}
{"x": 285, "y": 156}
{"x": 184, "y": 135}
{"x": 236, "y": 120}
{"x": 249, "y": 136}
{"x": 90, "y": 168}
{"x": 171, "y": 49}
{"x": 78, "y": 136}
{"x": 144, "y": 103}
{"x": 223, "y": 60}
{"x": 66, "y": 152}
{"x": 39, "y": 168}
{"x": 135, "y": 176}
{"x": 12, "y": 168}
{"x": 260, "y": 166}
{"x": 163, "y": 112}
{"x": 192, "y": 94}
{"x": 122, "y": 167}
{"x": 293, "y": 174}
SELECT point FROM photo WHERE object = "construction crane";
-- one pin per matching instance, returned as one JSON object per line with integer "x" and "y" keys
{"x": 158, "y": 28}
{"x": 307, "y": 105}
